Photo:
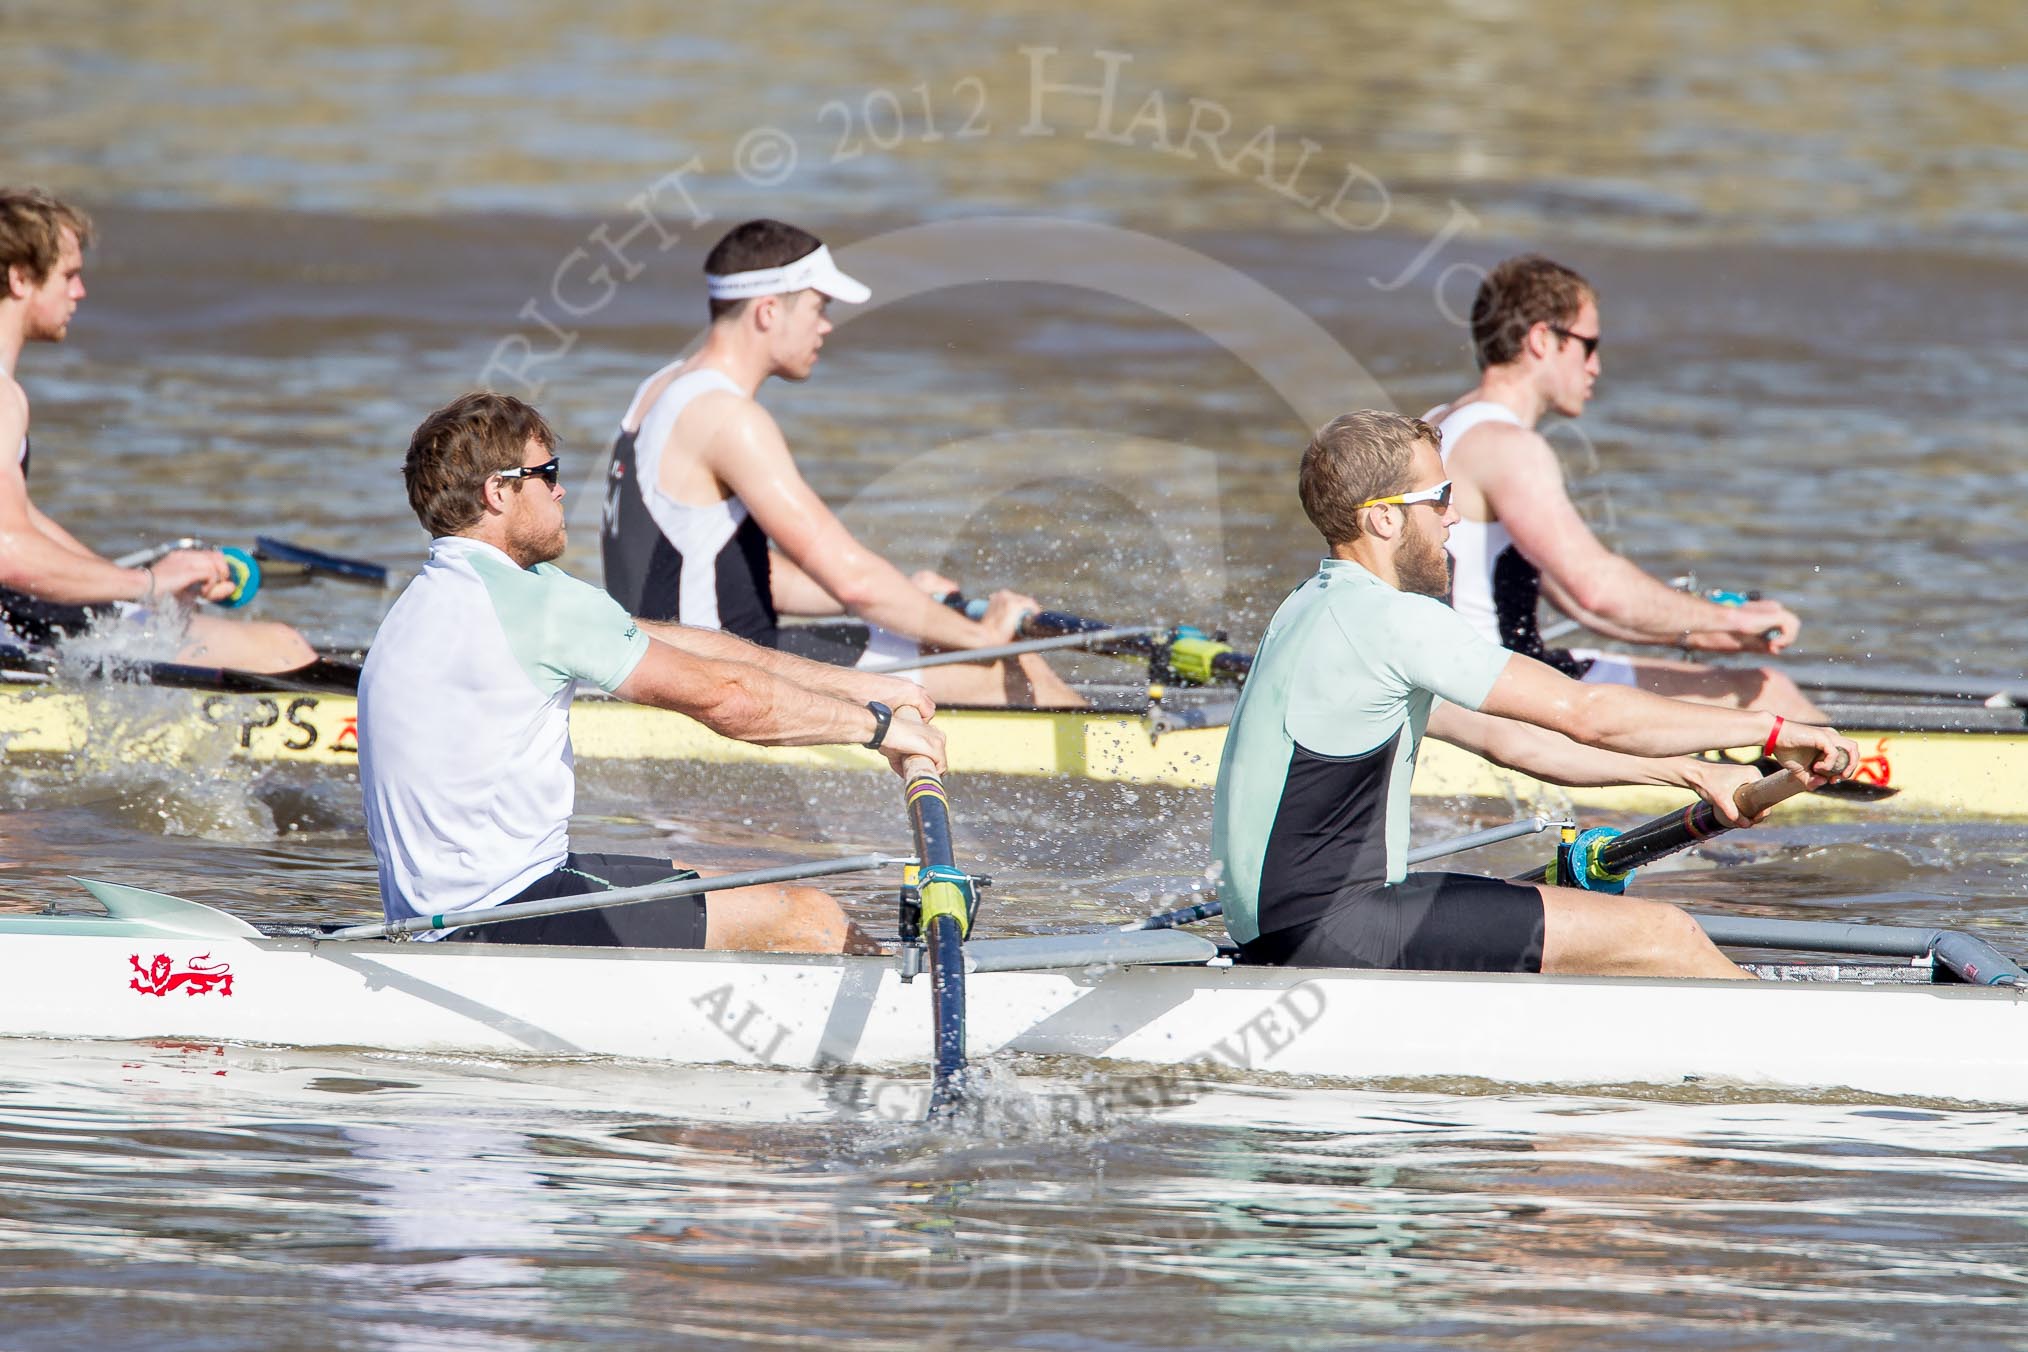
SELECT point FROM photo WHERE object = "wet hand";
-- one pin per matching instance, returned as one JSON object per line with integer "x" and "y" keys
{"x": 1717, "y": 783}
{"x": 1005, "y": 612}
{"x": 1765, "y": 626}
{"x": 896, "y": 693}
{"x": 906, "y": 737}
{"x": 934, "y": 584}
{"x": 1821, "y": 754}
{"x": 193, "y": 573}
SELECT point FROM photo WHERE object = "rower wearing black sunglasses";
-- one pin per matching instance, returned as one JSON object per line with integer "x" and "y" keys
{"x": 1310, "y": 819}
{"x": 1535, "y": 329}
{"x": 549, "y": 471}
{"x": 464, "y": 711}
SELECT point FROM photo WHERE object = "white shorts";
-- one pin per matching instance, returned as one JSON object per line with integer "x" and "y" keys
{"x": 1607, "y": 668}
{"x": 884, "y": 645}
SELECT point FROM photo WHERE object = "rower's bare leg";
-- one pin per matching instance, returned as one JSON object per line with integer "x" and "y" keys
{"x": 779, "y": 918}
{"x": 1025, "y": 682}
{"x": 244, "y": 645}
{"x": 1734, "y": 687}
{"x": 1598, "y": 934}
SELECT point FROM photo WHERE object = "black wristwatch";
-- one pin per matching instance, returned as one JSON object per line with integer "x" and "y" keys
{"x": 882, "y": 716}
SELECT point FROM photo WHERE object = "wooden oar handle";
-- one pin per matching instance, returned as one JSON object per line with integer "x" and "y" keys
{"x": 914, "y": 767}
{"x": 1763, "y": 793}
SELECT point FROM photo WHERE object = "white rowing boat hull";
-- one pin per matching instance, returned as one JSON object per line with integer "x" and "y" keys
{"x": 1954, "y": 1042}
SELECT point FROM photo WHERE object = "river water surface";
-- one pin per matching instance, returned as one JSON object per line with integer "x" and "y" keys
{"x": 1104, "y": 322}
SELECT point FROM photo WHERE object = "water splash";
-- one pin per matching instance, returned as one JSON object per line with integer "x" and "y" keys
{"x": 141, "y": 750}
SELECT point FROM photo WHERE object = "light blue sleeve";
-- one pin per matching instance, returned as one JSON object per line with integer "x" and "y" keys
{"x": 586, "y": 634}
{"x": 1432, "y": 647}
{"x": 561, "y": 629}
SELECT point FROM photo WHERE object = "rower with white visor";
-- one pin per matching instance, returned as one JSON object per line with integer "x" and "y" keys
{"x": 708, "y": 520}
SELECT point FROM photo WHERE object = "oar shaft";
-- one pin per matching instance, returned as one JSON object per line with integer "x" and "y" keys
{"x": 1036, "y": 645}
{"x": 1665, "y": 835}
{"x": 1492, "y": 835}
{"x": 154, "y": 552}
{"x": 315, "y": 561}
{"x": 946, "y": 906}
{"x": 2005, "y": 689}
{"x": 1176, "y": 652}
{"x": 618, "y": 896}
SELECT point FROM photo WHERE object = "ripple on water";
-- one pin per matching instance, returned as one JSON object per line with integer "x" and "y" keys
{"x": 550, "y": 1204}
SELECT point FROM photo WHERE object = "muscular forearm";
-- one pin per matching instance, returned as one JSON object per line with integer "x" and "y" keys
{"x": 1564, "y": 600}
{"x": 1549, "y": 755}
{"x": 1637, "y": 608}
{"x": 759, "y": 707}
{"x": 882, "y": 596}
{"x": 795, "y": 592}
{"x": 1621, "y": 718}
{"x": 823, "y": 678}
{"x": 32, "y": 562}
{"x": 1553, "y": 757}
{"x": 739, "y": 699}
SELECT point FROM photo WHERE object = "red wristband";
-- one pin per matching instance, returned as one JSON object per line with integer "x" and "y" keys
{"x": 1774, "y": 732}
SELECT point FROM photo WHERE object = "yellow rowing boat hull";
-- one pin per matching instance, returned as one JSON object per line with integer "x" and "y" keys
{"x": 142, "y": 723}
{"x": 1982, "y": 774}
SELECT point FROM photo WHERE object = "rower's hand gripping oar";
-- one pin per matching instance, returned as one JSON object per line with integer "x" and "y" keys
{"x": 276, "y": 563}
{"x": 1603, "y": 860}
{"x": 939, "y": 900}
{"x": 241, "y": 566}
{"x": 1182, "y": 653}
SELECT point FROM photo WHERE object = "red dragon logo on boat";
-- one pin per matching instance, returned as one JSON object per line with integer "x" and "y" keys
{"x": 1874, "y": 769}
{"x": 199, "y": 976}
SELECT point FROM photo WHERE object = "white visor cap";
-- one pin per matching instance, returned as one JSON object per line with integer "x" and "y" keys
{"x": 813, "y": 271}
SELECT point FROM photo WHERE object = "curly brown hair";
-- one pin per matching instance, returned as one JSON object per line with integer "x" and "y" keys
{"x": 1516, "y": 296}
{"x": 459, "y": 447}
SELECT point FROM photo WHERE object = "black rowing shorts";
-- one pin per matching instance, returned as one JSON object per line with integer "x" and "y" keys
{"x": 1427, "y": 922}
{"x": 669, "y": 922}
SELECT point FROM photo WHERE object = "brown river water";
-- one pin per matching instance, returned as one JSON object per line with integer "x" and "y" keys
{"x": 1103, "y": 322}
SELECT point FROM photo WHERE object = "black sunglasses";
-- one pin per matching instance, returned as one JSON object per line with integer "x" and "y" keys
{"x": 1590, "y": 340}
{"x": 549, "y": 471}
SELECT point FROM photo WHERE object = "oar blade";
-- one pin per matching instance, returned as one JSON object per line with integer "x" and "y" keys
{"x": 170, "y": 915}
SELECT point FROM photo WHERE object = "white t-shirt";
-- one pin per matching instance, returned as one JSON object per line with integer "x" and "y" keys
{"x": 464, "y": 724}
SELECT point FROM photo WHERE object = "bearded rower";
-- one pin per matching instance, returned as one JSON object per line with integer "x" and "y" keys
{"x": 464, "y": 712}
{"x": 1536, "y": 334}
{"x": 1310, "y": 821}
{"x": 709, "y": 522}
{"x": 51, "y": 586}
